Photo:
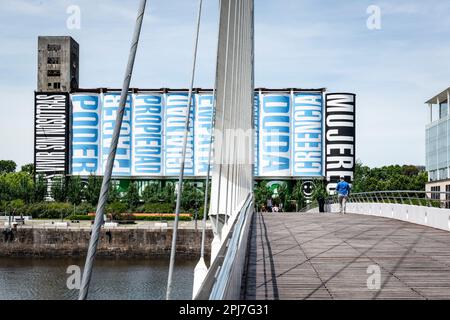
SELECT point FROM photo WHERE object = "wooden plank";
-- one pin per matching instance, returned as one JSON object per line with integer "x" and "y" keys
{"x": 327, "y": 256}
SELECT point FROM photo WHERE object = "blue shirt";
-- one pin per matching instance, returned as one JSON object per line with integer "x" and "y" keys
{"x": 343, "y": 188}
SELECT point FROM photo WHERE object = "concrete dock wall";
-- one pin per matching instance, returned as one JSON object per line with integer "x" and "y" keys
{"x": 113, "y": 243}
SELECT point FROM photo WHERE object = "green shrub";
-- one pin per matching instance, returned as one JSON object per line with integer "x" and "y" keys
{"x": 85, "y": 208}
{"x": 81, "y": 217}
{"x": 131, "y": 218}
{"x": 49, "y": 210}
{"x": 199, "y": 213}
{"x": 163, "y": 217}
{"x": 116, "y": 208}
{"x": 159, "y": 208}
{"x": 123, "y": 217}
{"x": 14, "y": 207}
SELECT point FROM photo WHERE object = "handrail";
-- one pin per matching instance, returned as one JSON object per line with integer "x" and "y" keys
{"x": 438, "y": 199}
{"x": 222, "y": 281}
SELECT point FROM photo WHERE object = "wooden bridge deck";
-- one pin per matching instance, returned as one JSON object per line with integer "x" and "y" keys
{"x": 326, "y": 256}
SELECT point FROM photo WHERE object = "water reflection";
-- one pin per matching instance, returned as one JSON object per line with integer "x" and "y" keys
{"x": 119, "y": 279}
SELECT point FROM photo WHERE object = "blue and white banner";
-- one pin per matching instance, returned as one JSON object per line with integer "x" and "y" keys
{"x": 307, "y": 130}
{"x": 203, "y": 131}
{"x": 288, "y": 134}
{"x": 122, "y": 163}
{"x": 147, "y": 135}
{"x": 175, "y": 122}
{"x": 256, "y": 128}
{"x": 86, "y": 134}
{"x": 275, "y": 135}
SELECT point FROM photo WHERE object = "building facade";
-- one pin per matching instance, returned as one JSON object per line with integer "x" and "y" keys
{"x": 58, "y": 64}
{"x": 438, "y": 143}
{"x": 298, "y": 134}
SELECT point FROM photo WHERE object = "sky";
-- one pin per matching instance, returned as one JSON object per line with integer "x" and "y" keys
{"x": 298, "y": 43}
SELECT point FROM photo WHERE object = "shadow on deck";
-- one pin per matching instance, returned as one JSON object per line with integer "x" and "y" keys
{"x": 328, "y": 256}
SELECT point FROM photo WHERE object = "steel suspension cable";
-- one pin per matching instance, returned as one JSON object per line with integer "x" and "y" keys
{"x": 229, "y": 192}
{"x": 183, "y": 157}
{"x": 222, "y": 120}
{"x": 93, "y": 243}
{"x": 211, "y": 141}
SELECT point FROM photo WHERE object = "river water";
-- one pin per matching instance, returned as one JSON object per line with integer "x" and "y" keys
{"x": 112, "y": 279}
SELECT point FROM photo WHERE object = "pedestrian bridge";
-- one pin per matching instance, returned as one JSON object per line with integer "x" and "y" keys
{"x": 388, "y": 248}
{"x": 332, "y": 256}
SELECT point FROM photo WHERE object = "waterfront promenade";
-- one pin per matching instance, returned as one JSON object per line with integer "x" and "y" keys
{"x": 86, "y": 225}
{"x": 47, "y": 238}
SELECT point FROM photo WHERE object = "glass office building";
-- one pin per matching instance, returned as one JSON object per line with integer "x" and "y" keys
{"x": 438, "y": 142}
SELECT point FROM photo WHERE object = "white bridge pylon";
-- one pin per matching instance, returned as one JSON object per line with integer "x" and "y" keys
{"x": 232, "y": 169}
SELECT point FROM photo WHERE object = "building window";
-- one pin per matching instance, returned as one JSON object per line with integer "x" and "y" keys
{"x": 447, "y": 196}
{"x": 443, "y": 109}
{"x": 443, "y": 174}
{"x": 435, "y": 195}
{"x": 432, "y": 175}
{"x": 53, "y": 60}
{"x": 53, "y": 47}
{"x": 54, "y": 73}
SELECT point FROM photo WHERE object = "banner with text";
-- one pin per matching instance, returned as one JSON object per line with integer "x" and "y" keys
{"x": 340, "y": 138}
{"x": 147, "y": 135}
{"x": 85, "y": 134}
{"x": 275, "y": 135}
{"x": 307, "y": 131}
{"x": 175, "y": 121}
{"x": 256, "y": 133}
{"x": 122, "y": 163}
{"x": 203, "y": 130}
{"x": 51, "y": 135}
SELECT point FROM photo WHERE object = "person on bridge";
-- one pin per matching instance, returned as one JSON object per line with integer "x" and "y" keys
{"x": 343, "y": 190}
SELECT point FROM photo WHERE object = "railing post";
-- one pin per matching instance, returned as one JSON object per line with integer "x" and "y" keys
{"x": 410, "y": 202}
{"x": 382, "y": 198}
{"x": 376, "y": 198}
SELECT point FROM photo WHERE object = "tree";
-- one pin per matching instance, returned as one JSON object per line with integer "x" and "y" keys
{"x": 191, "y": 197}
{"x": 92, "y": 189}
{"x": 283, "y": 195}
{"x": 395, "y": 177}
{"x": 168, "y": 192}
{"x": 113, "y": 194}
{"x": 298, "y": 196}
{"x": 7, "y": 166}
{"x": 4, "y": 189}
{"x": 40, "y": 188}
{"x": 151, "y": 193}
{"x": 262, "y": 193}
{"x": 320, "y": 193}
{"x": 28, "y": 168}
{"x": 16, "y": 185}
{"x": 58, "y": 189}
{"x": 320, "y": 190}
{"x": 25, "y": 187}
{"x": 132, "y": 196}
{"x": 75, "y": 190}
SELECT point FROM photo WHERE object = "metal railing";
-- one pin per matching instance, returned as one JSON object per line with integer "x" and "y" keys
{"x": 435, "y": 199}
{"x": 223, "y": 281}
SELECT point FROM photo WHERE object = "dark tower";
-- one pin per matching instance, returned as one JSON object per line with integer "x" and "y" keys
{"x": 58, "y": 64}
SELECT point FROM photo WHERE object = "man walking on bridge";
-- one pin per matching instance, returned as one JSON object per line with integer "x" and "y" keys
{"x": 343, "y": 190}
